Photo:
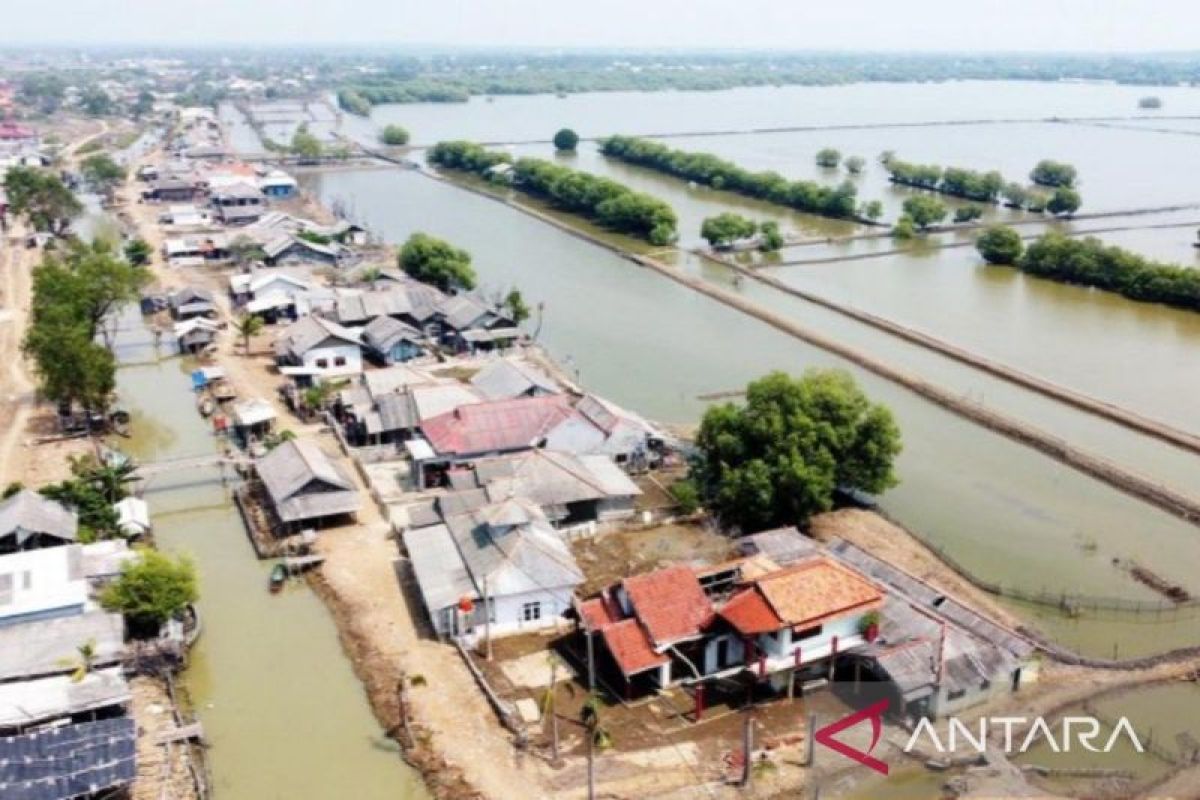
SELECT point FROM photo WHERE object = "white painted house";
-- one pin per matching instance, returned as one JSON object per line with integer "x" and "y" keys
{"x": 320, "y": 349}
{"x": 506, "y": 552}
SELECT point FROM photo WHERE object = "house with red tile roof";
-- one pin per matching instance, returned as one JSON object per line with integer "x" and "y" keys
{"x": 748, "y": 618}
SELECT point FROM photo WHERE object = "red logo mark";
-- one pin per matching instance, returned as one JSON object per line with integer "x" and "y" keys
{"x": 872, "y": 712}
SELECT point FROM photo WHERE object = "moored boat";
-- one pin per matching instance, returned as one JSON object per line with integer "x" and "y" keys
{"x": 278, "y": 577}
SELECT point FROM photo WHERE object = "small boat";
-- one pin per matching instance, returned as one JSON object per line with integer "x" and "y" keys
{"x": 278, "y": 577}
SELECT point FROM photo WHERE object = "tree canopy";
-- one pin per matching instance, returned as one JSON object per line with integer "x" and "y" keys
{"x": 1065, "y": 201}
{"x": 1000, "y": 244}
{"x": 1053, "y": 173}
{"x": 855, "y": 164}
{"x": 925, "y": 211}
{"x": 101, "y": 172}
{"x": 566, "y": 139}
{"x": 838, "y": 202}
{"x": 41, "y": 198}
{"x": 778, "y": 458}
{"x": 828, "y": 158}
{"x": 152, "y": 590}
{"x": 1090, "y": 262}
{"x": 437, "y": 262}
{"x": 91, "y": 492}
{"x": 394, "y": 135}
{"x": 305, "y": 145}
{"x": 726, "y": 228}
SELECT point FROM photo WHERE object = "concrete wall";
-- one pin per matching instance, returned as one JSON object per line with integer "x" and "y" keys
{"x": 352, "y": 354}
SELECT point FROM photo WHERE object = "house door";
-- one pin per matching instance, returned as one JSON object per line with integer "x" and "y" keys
{"x": 722, "y": 652}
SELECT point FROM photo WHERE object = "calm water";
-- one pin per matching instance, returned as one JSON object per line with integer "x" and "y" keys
{"x": 285, "y": 714}
{"x": 647, "y": 342}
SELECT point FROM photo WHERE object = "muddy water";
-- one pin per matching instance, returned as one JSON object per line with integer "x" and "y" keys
{"x": 281, "y": 707}
{"x": 1005, "y": 511}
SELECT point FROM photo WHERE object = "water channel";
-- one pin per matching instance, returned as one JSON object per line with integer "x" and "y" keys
{"x": 280, "y": 704}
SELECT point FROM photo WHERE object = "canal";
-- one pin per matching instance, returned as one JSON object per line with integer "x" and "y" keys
{"x": 281, "y": 707}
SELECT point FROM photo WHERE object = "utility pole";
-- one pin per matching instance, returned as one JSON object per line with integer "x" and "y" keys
{"x": 747, "y": 748}
{"x": 487, "y": 620}
{"x": 810, "y": 741}
{"x": 591, "y": 734}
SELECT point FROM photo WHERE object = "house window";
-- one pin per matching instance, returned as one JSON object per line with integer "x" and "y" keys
{"x": 6, "y": 589}
{"x": 322, "y": 363}
{"x": 27, "y": 580}
{"x": 807, "y": 633}
{"x": 531, "y": 612}
{"x": 339, "y": 361}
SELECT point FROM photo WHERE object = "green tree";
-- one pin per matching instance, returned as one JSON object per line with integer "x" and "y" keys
{"x": 925, "y": 211}
{"x": 516, "y": 307}
{"x": 437, "y": 262}
{"x": 96, "y": 102}
{"x": 138, "y": 252}
{"x": 726, "y": 228}
{"x": 248, "y": 326}
{"x": 394, "y": 135}
{"x": 566, "y": 140}
{"x": 1064, "y": 202}
{"x": 151, "y": 590}
{"x": 772, "y": 239}
{"x": 904, "y": 228}
{"x": 1015, "y": 195}
{"x": 967, "y": 213}
{"x": 243, "y": 249}
{"x": 828, "y": 158}
{"x": 778, "y": 458}
{"x": 686, "y": 496}
{"x": 1053, "y": 173}
{"x": 855, "y": 165}
{"x": 101, "y": 172}
{"x": 872, "y": 210}
{"x": 1000, "y": 244}
{"x": 41, "y": 198}
{"x": 305, "y": 145}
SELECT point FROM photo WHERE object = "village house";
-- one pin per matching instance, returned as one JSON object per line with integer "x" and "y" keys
{"x": 318, "y": 348}
{"x": 196, "y": 335}
{"x": 270, "y": 295}
{"x": 495, "y": 427}
{"x": 277, "y": 184}
{"x": 253, "y": 418}
{"x": 412, "y": 303}
{"x": 502, "y": 568}
{"x": 185, "y": 215}
{"x": 294, "y": 249}
{"x": 29, "y": 521}
{"x": 934, "y": 655}
{"x": 305, "y": 487}
{"x": 237, "y": 204}
{"x": 194, "y": 250}
{"x": 389, "y": 341}
{"x": 507, "y": 378}
{"x": 470, "y": 324}
{"x": 749, "y": 620}
{"x": 190, "y": 302}
{"x": 600, "y": 426}
{"x": 172, "y": 189}
{"x": 571, "y": 490}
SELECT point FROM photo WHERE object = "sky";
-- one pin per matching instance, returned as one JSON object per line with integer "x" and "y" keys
{"x": 898, "y": 25}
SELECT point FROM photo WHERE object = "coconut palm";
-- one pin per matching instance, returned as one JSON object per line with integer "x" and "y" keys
{"x": 82, "y": 662}
{"x": 248, "y": 326}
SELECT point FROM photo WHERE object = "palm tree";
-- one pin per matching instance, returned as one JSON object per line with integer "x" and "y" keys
{"x": 370, "y": 276}
{"x": 82, "y": 662}
{"x": 318, "y": 396}
{"x": 248, "y": 326}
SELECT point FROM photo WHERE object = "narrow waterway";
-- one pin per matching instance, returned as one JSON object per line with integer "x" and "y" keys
{"x": 281, "y": 706}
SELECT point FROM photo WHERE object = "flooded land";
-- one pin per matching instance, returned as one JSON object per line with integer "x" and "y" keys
{"x": 1007, "y": 513}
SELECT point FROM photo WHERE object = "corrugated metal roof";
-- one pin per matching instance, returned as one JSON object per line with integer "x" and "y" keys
{"x": 497, "y": 426}
{"x": 384, "y": 333}
{"x": 304, "y": 483}
{"x": 28, "y": 514}
{"x": 311, "y": 332}
{"x": 784, "y": 546}
{"x": 509, "y": 377}
{"x": 441, "y": 573}
{"x": 28, "y": 702}
{"x": 39, "y": 648}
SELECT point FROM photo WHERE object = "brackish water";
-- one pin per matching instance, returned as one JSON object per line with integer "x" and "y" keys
{"x": 284, "y": 713}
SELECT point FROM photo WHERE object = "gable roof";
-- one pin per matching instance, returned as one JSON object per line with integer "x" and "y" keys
{"x": 415, "y": 300}
{"x": 629, "y": 647}
{"x": 507, "y": 378}
{"x": 815, "y": 591}
{"x": 304, "y": 483}
{"x": 750, "y": 613}
{"x": 463, "y": 311}
{"x": 553, "y": 479}
{"x": 384, "y": 333}
{"x": 28, "y": 514}
{"x": 669, "y": 603}
{"x": 310, "y": 333}
{"x": 496, "y": 426}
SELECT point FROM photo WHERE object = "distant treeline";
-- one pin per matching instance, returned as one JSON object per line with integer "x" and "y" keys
{"x": 602, "y": 200}
{"x": 839, "y": 202}
{"x": 455, "y": 78}
{"x": 1090, "y": 262}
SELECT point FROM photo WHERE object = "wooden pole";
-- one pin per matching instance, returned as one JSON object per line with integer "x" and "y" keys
{"x": 810, "y": 749}
{"x": 747, "y": 749}
{"x": 591, "y": 733}
{"x": 487, "y": 620}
